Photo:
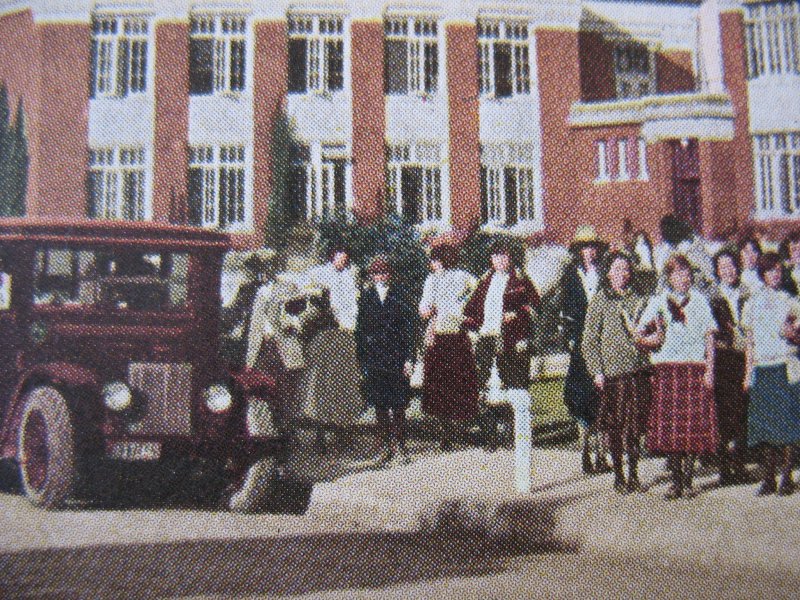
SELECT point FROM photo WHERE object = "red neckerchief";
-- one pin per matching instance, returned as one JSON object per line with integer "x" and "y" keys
{"x": 676, "y": 310}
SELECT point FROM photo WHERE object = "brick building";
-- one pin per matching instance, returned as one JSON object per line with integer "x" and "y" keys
{"x": 510, "y": 115}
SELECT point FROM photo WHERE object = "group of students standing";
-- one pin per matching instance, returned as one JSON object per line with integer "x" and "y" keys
{"x": 699, "y": 364}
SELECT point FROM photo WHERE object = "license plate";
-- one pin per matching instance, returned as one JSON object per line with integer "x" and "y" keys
{"x": 135, "y": 450}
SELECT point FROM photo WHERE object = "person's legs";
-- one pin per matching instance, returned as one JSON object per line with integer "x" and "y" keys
{"x": 675, "y": 465}
{"x": 632, "y": 447}
{"x": 383, "y": 434}
{"x": 768, "y": 462}
{"x": 787, "y": 483}
{"x": 399, "y": 428}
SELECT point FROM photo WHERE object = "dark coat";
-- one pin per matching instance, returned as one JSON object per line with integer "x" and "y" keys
{"x": 788, "y": 283}
{"x": 519, "y": 298}
{"x": 384, "y": 342}
{"x": 580, "y": 395}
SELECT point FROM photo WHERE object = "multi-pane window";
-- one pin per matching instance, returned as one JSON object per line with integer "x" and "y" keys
{"x": 508, "y": 190}
{"x": 414, "y": 181}
{"x": 505, "y": 62}
{"x": 217, "y": 53}
{"x": 772, "y": 30}
{"x": 117, "y": 183}
{"x": 411, "y": 55}
{"x": 318, "y": 182}
{"x": 119, "y": 55}
{"x": 777, "y": 166}
{"x": 217, "y": 186}
{"x": 634, "y": 70}
{"x": 621, "y": 159}
{"x": 316, "y": 53}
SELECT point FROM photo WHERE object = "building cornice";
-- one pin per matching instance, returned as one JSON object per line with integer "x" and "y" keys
{"x": 666, "y": 116}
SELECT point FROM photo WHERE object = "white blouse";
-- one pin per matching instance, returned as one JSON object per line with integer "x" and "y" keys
{"x": 447, "y": 292}
{"x": 683, "y": 342}
{"x": 343, "y": 292}
{"x": 493, "y": 304}
{"x": 751, "y": 279}
{"x": 764, "y": 315}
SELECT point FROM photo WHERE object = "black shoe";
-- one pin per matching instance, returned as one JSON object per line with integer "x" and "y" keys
{"x": 674, "y": 492}
{"x": 619, "y": 484}
{"x": 602, "y": 465}
{"x": 768, "y": 487}
{"x": 786, "y": 488}
{"x": 586, "y": 464}
{"x": 634, "y": 486}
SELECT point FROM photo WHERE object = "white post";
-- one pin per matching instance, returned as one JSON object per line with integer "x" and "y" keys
{"x": 520, "y": 400}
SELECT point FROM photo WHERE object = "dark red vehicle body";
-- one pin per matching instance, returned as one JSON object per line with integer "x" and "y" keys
{"x": 161, "y": 341}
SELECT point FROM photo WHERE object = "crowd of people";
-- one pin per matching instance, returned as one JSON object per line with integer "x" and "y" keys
{"x": 672, "y": 349}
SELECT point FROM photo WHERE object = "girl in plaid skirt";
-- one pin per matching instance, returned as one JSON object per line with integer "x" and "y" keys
{"x": 683, "y": 416}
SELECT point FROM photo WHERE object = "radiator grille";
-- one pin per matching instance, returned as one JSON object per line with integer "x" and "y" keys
{"x": 167, "y": 390}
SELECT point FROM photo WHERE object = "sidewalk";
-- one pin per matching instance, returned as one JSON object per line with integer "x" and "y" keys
{"x": 471, "y": 493}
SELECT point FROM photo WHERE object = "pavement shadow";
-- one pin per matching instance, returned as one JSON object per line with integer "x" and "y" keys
{"x": 288, "y": 565}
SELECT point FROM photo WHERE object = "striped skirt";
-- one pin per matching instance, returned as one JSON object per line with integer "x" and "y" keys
{"x": 624, "y": 406}
{"x": 683, "y": 416}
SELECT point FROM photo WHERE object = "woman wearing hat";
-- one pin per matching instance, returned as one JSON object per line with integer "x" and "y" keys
{"x": 385, "y": 324}
{"x": 683, "y": 415}
{"x": 450, "y": 382}
{"x": 580, "y": 282}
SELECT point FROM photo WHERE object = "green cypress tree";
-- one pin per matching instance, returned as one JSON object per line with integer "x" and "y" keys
{"x": 282, "y": 214}
{"x": 6, "y": 183}
{"x": 18, "y": 163}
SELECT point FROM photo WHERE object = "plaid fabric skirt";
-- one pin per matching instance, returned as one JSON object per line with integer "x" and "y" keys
{"x": 683, "y": 416}
{"x": 624, "y": 406}
{"x": 450, "y": 381}
{"x": 729, "y": 395}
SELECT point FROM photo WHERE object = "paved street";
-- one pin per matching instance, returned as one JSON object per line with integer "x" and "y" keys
{"x": 444, "y": 525}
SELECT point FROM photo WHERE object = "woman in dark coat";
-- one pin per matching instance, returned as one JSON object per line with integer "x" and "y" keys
{"x": 384, "y": 343}
{"x": 581, "y": 281}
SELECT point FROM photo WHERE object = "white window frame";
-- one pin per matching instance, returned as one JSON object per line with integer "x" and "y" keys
{"x": 214, "y": 162}
{"x": 776, "y": 158}
{"x": 622, "y": 160}
{"x": 316, "y": 30}
{"x": 319, "y": 161}
{"x": 426, "y": 156}
{"x": 109, "y": 31}
{"x": 111, "y": 167}
{"x": 495, "y": 159}
{"x": 416, "y": 32}
{"x": 515, "y": 33}
{"x": 644, "y": 174}
{"x": 223, "y": 28}
{"x": 630, "y": 81}
{"x": 772, "y": 34}
{"x": 603, "y": 173}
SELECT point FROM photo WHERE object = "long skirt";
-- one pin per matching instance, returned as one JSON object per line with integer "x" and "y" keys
{"x": 332, "y": 379}
{"x": 580, "y": 394}
{"x": 450, "y": 383}
{"x": 683, "y": 416}
{"x": 728, "y": 393}
{"x": 624, "y": 408}
{"x": 774, "y": 415}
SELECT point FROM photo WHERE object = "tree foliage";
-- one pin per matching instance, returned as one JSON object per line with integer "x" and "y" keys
{"x": 284, "y": 208}
{"x": 13, "y": 158}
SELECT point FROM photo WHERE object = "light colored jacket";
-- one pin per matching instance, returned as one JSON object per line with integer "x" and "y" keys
{"x": 269, "y": 320}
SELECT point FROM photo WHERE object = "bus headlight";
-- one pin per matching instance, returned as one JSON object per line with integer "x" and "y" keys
{"x": 117, "y": 396}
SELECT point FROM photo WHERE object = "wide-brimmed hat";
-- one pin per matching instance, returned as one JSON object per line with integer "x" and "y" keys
{"x": 379, "y": 265}
{"x": 585, "y": 235}
{"x": 259, "y": 260}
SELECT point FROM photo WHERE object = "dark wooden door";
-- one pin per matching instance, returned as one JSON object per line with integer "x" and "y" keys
{"x": 686, "y": 198}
